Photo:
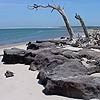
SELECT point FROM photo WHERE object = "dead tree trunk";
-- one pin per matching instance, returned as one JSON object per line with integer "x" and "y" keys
{"x": 61, "y": 11}
{"x": 83, "y": 25}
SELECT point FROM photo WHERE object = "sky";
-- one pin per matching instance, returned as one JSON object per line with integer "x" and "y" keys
{"x": 15, "y": 14}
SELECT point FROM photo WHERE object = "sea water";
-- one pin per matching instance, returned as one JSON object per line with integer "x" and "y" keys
{"x": 8, "y": 36}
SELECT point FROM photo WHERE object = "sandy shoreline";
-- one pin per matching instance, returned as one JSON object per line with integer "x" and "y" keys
{"x": 21, "y": 45}
{"x": 24, "y": 85}
{"x": 12, "y": 44}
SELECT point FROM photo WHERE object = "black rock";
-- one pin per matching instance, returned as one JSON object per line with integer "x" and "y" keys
{"x": 45, "y": 58}
{"x": 40, "y": 45}
{"x": 15, "y": 55}
{"x": 88, "y": 53}
{"x": 32, "y": 46}
{"x": 70, "y": 68}
{"x": 69, "y": 79}
{"x": 9, "y": 74}
{"x": 69, "y": 54}
{"x": 62, "y": 37}
{"x": 39, "y": 41}
{"x": 80, "y": 87}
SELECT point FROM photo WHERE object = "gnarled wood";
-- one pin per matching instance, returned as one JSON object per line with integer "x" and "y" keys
{"x": 61, "y": 11}
{"x": 83, "y": 25}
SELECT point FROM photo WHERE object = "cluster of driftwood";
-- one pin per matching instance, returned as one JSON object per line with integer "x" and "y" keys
{"x": 61, "y": 71}
{"x": 90, "y": 40}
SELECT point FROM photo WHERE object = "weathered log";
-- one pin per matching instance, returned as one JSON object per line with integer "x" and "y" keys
{"x": 83, "y": 25}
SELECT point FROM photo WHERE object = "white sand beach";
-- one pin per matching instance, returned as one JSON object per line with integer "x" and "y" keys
{"x": 24, "y": 85}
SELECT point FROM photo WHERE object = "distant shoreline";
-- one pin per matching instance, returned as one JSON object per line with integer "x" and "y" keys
{"x": 47, "y": 27}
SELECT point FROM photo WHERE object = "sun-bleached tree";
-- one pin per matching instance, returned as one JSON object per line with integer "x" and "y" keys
{"x": 78, "y": 17}
{"x": 60, "y": 10}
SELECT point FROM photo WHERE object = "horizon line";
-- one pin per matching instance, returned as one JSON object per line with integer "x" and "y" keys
{"x": 46, "y": 27}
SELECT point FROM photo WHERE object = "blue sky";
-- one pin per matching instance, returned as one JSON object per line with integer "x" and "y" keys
{"x": 14, "y": 13}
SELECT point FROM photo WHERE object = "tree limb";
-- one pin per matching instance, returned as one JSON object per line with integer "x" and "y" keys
{"x": 78, "y": 17}
{"x": 61, "y": 11}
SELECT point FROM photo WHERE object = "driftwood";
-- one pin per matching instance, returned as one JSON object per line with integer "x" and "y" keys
{"x": 83, "y": 25}
{"x": 91, "y": 40}
{"x": 61, "y": 12}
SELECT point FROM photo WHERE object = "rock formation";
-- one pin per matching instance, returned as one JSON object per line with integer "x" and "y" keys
{"x": 9, "y": 74}
{"x": 61, "y": 71}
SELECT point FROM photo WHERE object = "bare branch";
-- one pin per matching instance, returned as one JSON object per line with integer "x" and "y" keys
{"x": 61, "y": 11}
{"x": 54, "y": 7}
{"x": 78, "y": 17}
{"x": 52, "y": 10}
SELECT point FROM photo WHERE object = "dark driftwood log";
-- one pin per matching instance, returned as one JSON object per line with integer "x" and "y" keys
{"x": 83, "y": 25}
{"x": 61, "y": 11}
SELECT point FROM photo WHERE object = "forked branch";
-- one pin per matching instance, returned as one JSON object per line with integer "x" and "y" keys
{"x": 61, "y": 11}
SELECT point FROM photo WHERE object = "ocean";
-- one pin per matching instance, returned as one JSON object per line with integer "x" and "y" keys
{"x": 8, "y": 36}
